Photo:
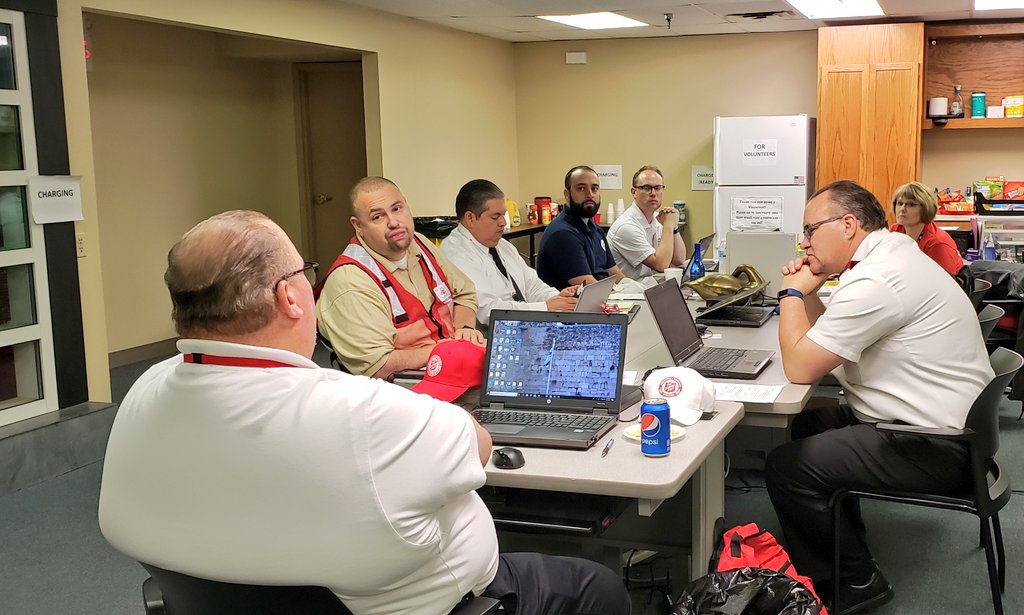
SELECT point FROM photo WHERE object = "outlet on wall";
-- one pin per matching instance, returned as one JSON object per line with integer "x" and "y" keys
{"x": 80, "y": 244}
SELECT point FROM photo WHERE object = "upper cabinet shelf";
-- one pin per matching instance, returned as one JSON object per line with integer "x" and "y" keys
{"x": 979, "y": 57}
{"x": 968, "y": 124}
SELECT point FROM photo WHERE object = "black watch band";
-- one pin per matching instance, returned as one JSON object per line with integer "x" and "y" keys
{"x": 789, "y": 292}
{"x": 675, "y": 231}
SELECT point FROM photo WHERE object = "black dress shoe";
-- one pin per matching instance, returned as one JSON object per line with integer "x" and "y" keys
{"x": 857, "y": 598}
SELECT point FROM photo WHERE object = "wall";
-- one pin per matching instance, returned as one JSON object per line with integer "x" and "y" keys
{"x": 651, "y": 101}
{"x": 467, "y": 94}
{"x": 956, "y": 158}
{"x": 180, "y": 133}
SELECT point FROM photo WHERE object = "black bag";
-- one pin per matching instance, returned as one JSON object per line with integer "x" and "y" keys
{"x": 750, "y": 591}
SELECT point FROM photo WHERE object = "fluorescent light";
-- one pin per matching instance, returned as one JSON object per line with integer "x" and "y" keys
{"x": 595, "y": 21}
{"x": 994, "y": 5}
{"x": 831, "y": 9}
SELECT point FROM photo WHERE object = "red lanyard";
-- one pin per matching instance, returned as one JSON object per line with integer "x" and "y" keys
{"x": 209, "y": 359}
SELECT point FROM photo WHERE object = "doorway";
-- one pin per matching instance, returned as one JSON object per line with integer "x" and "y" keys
{"x": 334, "y": 151}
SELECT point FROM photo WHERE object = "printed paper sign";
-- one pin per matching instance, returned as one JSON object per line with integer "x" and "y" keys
{"x": 610, "y": 176}
{"x": 702, "y": 177}
{"x": 55, "y": 198}
{"x": 760, "y": 152}
{"x": 756, "y": 213}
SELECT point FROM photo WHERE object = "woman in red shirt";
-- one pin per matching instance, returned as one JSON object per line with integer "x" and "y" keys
{"x": 915, "y": 206}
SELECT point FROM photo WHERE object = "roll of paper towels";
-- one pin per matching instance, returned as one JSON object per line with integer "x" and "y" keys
{"x": 938, "y": 106}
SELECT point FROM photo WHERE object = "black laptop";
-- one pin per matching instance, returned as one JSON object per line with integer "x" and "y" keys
{"x": 553, "y": 379}
{"x": 684, "y": 341}
{"x": 733, "y": 311}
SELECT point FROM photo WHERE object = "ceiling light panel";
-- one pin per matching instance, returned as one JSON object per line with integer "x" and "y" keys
{"x": 595, "y": 21}
{"x": 837, "y": 9}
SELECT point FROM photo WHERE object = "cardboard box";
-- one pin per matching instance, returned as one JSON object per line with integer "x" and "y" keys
{"x": 1013, "y": 191}
{"x": 990, "y": 189}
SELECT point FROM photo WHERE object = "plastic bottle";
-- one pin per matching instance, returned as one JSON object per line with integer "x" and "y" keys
{"x": 681, "y": 208}
{"x": 721, "y": 250}
{"x": 697, "y": 268}
{"x": 956, "y": 107}
{"x": 990, "y": 249}
{"x": 513, "y": 211}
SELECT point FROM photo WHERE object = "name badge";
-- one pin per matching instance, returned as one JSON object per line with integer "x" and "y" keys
{"x": 443, "y": 294}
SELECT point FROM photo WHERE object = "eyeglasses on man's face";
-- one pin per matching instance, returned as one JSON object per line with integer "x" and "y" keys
{"x": 309, "y": 268}
{"x": 810, "y": 228}
{"x": 649, "y": 188}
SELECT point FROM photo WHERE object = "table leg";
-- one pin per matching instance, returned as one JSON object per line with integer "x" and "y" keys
{"x": 708, "y": 505}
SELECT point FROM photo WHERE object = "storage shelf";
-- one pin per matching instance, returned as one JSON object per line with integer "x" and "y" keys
{"x": 980, "y": 123}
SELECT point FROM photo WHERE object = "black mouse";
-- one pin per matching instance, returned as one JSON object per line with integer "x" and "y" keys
{"x": 508, "y": 458}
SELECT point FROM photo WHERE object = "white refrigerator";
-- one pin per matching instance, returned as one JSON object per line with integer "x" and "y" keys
{"x": 764, "y": 173}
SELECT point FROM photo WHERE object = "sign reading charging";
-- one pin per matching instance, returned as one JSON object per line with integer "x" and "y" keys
{"x": 55, "y": 198}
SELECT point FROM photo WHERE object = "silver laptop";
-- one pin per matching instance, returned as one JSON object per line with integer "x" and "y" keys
{"x": 733, "y": 311}
{"x": 594, "y": 296}
{"x": 685, "y": 345}
{"x": 553, "y": 379}
{"x": 766, "y": 252}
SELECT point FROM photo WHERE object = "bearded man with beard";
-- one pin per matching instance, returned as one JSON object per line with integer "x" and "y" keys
{"x": 574, "y": 250}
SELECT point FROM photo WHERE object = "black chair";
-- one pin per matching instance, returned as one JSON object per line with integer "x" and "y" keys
{"x": 990, "y": 486}
{"x": 173, "y": 593}
{"x": 981, "y": 287}
{"x": 988, "y": 317}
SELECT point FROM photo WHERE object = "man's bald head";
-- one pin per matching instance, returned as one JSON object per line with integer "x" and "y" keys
{"x": 221, "y": 274}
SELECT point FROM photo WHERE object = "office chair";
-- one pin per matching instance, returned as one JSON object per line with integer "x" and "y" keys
{"x": 988, "y": 317}
{"x": 981, "y": 287}
{"x": 173, "y": 593}
{"x": 965, "y": 278}
{"x": 990, "y": 486}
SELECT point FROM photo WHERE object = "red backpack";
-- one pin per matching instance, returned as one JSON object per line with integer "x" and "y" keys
{"x": 747, "y": 546}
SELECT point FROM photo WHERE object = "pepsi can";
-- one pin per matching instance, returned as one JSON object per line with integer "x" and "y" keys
{"x": 655, "y": 428}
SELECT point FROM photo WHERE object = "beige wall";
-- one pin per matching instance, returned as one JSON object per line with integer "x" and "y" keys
{"x": 651, "y": 101}
{"x": 955, "y": 158}
{"x": 438, "y": 126}
{"x": 179, "y": 133}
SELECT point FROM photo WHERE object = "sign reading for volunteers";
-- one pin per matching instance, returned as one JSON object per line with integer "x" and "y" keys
{"x": 55, "y": 198}
{"x": 760, "y": 152}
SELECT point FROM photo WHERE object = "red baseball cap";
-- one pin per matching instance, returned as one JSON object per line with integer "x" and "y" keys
{"x": 453, "y": 367}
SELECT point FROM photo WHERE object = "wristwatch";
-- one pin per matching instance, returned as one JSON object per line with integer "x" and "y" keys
{"x": 675, "y": 231}
{"x": 789, "y": 292}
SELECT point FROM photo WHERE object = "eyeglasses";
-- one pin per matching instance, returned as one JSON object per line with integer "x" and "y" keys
{"x": 308, "y": 267}
{"x": 905, "y": 204}
{"x": 649, "y": 189}
{"x": 810, "y": 228}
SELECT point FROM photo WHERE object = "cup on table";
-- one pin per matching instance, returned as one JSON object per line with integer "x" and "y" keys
{"x": 674, "y": 273}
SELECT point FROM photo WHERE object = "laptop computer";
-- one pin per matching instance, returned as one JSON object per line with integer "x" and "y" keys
{"x": 732, "y": 311}
{"x": 766, "y": 252}
{"x": 553, "y": 379}
{"x": 706, "y": 243}
{"x": 684, "y": 343}
{"x": 594, "y": 296}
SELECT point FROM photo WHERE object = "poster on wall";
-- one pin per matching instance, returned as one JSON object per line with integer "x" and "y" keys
{"x": 756, "y": 214}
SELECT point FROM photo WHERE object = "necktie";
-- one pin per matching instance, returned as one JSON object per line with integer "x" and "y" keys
{"x": 516, "y": 294}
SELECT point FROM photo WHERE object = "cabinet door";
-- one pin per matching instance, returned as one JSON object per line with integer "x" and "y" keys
{"x": 842, "y": 100}
{"x": 893, "y": 134}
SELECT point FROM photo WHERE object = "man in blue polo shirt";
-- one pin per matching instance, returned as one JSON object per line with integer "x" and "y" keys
{"x": 573, "y": 250}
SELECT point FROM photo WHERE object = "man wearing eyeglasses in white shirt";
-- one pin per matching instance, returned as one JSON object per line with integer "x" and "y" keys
{"x": 638, "y": 239}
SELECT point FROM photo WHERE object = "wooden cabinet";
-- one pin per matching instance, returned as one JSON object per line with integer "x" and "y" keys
{"x": 979, "y": 57}
{"x": 870, "y": 105}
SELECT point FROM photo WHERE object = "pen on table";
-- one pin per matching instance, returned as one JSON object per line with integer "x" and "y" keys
{"x": 607, "y": 447}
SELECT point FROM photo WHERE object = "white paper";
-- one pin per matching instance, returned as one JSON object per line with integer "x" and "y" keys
{"x": 55, "y": 198}
{"x": 760, "y": 152}
{"x": 747, "y": 393}
{"x": 761, "y": 213}
{"x": 626, "y": 297}
{"x": 610, "y": 176}
{"x": 702, "y": 177}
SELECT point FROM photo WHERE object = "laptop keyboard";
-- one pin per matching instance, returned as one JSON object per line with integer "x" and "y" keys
{"x": 540, "y": 419}
{"x": 717, "y": 358}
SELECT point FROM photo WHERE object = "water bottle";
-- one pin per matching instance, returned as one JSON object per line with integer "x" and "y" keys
{"x": 697, "y": 268}
{"x": 990, "y": 249}
{"x": 956, "y": 107}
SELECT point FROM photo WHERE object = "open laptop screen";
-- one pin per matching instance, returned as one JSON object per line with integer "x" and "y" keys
{"x": 572, "y": 358}
{"x": 674, "y": 321}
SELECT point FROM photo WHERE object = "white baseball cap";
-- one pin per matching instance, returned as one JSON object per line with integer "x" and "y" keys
{"x": 688, "y": 393}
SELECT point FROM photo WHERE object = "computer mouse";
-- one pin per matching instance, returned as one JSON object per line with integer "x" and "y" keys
{"x": 508, "y": 458}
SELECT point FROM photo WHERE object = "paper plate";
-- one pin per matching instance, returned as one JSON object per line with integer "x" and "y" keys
{"x": 632, "y": 433}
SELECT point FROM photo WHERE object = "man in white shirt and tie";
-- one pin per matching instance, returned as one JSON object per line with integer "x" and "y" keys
{"x": 503, "y": 279}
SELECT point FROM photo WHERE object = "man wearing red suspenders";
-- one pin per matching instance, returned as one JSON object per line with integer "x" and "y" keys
{"x": 391, "y": 296}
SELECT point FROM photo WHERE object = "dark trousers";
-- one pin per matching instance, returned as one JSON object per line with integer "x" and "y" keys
{"x": 535, "y": 584}
{"x": 832, "y": 450}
